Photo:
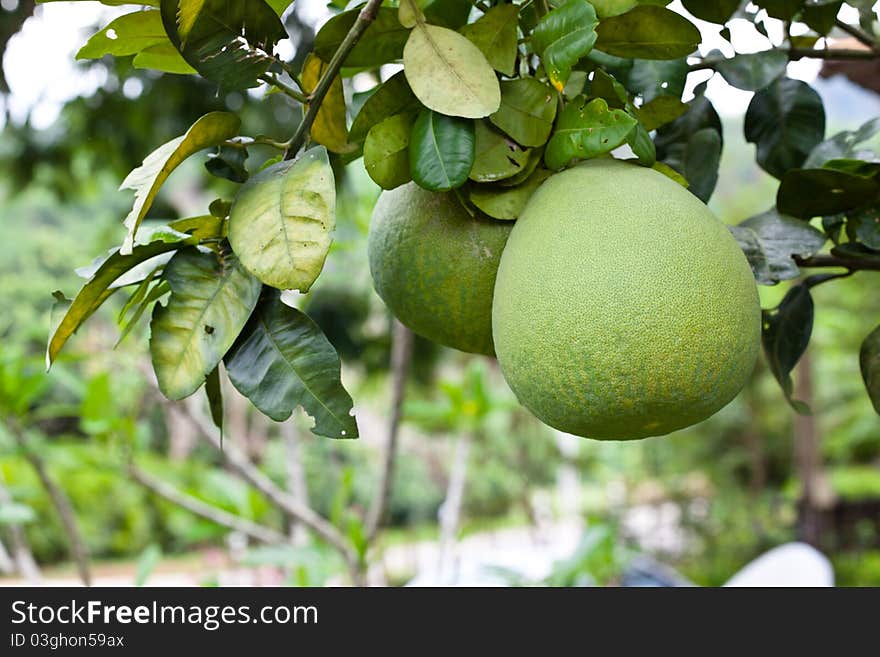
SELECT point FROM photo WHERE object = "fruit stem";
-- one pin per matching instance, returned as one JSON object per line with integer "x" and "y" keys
{"x": 367, "y": 16}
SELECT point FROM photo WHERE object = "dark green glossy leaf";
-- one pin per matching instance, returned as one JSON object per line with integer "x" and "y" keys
{"x": 386, "y": 151}
{"x": 226, "y": 42}
{"x": 785, "y": 337}
{"x": 229, "y": 163}
{"x": 563, "y": 36}
{"x": 671, "y": 140}
{"x": 604, "y": 86}
{"x": 869, "y": 362}
{"x": 714, "y": 11}
{"x": 211, "y": 300}
{"x": 528, "y": 108}
{"x": 495, "y": 35}
{"x": 586, "y": 130}
{"x": 702, "y": 157}
{"x": 820, "y": 17}
{"x": 810, "y": 193}
{"x": 753, "y": 71}
{"x": 642, "y": 146}
{"x": 392, "y": 97}
{"x": 785, "y": 121}
{"x": 215, "y": 398}
{"x": 441, "y": 151}
{"x": 769, "y": 241}
{"x": 648, "y": 32}
{"x": 496, "y": 156}
{"x": 781, "y": 9}
{"x": 282, "y": 360}
{"x": 447, "y": 13}
{"x": 853, "y": 167}
{"x": 652, "y": 78}
{"x": 382, "y": 42}
{"x": 282, "y": 222}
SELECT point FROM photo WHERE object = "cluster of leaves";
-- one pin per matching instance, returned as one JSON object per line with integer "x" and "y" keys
{"x": 492, "y": 98}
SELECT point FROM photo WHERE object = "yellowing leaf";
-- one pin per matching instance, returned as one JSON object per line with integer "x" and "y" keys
{"x": 449, "y": 74}
{"x": 210, "y": 130}
{"x": 329, "y": 127}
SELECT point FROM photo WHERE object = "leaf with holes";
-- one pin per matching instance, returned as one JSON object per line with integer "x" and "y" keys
{"x": 563, "y": 36}
{"x": 282, "y": 360}
{"x": 146, "y": 180}
{"x": 586, "y": 130}
{"x": 496, "y": 156}
{"x": 785, "y": 337}
{"x": 282, "y": 221}
{"x": 449, "y": 74}
{"x": 494, "y": 34}
{"x": 211, "y": 300}
{"x": 528, "y": 108}
{"x": 441, "y": 151}
{"x": 127, "y": 35}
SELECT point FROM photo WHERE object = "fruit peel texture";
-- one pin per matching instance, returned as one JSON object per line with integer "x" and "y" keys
{"x": 623, "y": 307}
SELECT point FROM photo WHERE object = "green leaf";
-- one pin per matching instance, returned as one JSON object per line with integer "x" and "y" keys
{"x": 809, "y": 193}
{"x": 528, "y": 108}
{"x": 229, "y": 163}
{"x": 441, "y": 151}
{"x": 226, "y": 42}
{"x": 753, "y": 71}
{"x": 162, "y": 57}
{"x": 587, "y": 130}
{"x": 282, "y": 221}
{"x": 700, "y": 161}
{"x": 785, "y": 121}
{"x": 563, "y": 36}
{"x": 670, "y": 173}
{"x": 869, "y": 362}
{"x": 159, "y": 290}
{"x": 282, "y": 360}
{"x": 785, "y": 337}
{"x": 820, "y": 17}
{"x": 648, "y": 32}
{"x": 507, "y": 202}
{"x": 211, "y": 300}
{"x": 130, "y": 33}
{"x": 781, "y": 9}
{"x": 382, "y": 42}
{"x": 653, "y": 78}
{"x": 409, "y": 13}
{"x": 447, "y": 13}
{"x": 844, "y": 145}
{"x": 386, "y": 151}
{"x": 714, "y": 11}
{"x": 392, "y": 97}
{"x": 660, "y": 111}
{"x": 496, "y": 156}
{"x": 215, "y": 398}
{"x": 329, "y": 127}
{"x": 672, "y": 139}
{"x": 769, "y": 241}
{"x": 642, "y": 147}
{"x": 99, "y": 287}
{"x": 449, "y": 74}
{"x": 210, "y": 130}
{"x": 606, "y": 8}
{"x": 494, "y": 34}
{"x": 603, "y": 85}
{"x": 864, "y": 226}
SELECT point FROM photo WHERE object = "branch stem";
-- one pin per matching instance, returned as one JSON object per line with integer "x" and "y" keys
{"x": 284, "y": 88}
{"x": 853, "y": 264}
{"x": 856, "y": 33}
{"x": 364, "y": 19}
{"x": 842, "y": 54}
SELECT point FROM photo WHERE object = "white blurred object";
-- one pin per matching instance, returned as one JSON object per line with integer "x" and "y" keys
{"x": 791, "y": 564}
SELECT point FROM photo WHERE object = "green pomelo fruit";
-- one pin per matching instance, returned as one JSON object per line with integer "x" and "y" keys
{"x": 623, "y": 308}
{"x": 434, "y": 265}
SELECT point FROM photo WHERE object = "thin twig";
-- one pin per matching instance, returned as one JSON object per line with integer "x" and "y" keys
{"x": 286, "y": 89}
{"x": 401, "y": 355}
{"x": 797, "y": 53}
{"x": 854, "y": 264}
{"x": 61, "y": 503}
{"x": 205, "y": 510}
{"x": 857, "y": 34}
{"x": 367, "y": 16}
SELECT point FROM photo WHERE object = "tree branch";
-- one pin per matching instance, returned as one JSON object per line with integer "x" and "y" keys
{"x": 857, "y": 34}
{"x": 401, "y": 354}
{"x": 853, "y": 264}
{"x": 61, "y": 503}
{"x": 842, "y": 54}
{"x": 205, "y": 510}
{"x": 367, "y": 16}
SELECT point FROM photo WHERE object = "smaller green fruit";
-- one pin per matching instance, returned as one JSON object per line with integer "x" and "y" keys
{"x": 434, "y": 265}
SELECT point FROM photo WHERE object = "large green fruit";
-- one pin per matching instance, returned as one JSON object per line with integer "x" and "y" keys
{"x": 434, "y": 265}
{"x": 623, "y": 308}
